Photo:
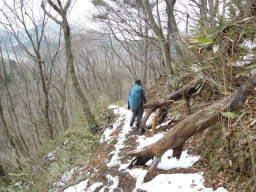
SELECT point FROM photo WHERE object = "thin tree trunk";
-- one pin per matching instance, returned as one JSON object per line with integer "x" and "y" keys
{"x": 86, "y": 109}
{"x": 165, "y": 47}
{"x": 19, "y": 139}
{"x": 173, "y": 28}
{"x": 46, "y": 110}
{"x": 7, "y": 135}
{"x": 203, "y": 14}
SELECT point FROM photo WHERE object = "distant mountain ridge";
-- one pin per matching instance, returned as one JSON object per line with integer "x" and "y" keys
{"x": 51, "y": 31}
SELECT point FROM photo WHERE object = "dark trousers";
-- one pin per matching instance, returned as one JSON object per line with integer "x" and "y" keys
{"x": 137, "y": 113}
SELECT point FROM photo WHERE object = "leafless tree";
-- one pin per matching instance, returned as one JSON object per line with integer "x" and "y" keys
{"x": 62, "y": 10}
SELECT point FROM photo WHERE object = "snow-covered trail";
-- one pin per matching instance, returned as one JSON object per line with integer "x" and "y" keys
{"x": 118, "y": 162}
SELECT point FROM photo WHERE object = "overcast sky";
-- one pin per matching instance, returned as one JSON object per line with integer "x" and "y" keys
{"x": 82, "y": 11}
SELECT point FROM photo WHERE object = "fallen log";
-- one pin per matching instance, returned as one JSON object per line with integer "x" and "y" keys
{"x": 197, "y": 122}
{"x": 164, "y": 104}
{"x": 184, "y": 92}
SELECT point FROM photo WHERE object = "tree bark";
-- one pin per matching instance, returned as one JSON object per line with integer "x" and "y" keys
{"x": 193, "y": 124}
{"x": 86, "y": 109}
{"x": 165, "y": 47}
{"x": 173, "y": 28}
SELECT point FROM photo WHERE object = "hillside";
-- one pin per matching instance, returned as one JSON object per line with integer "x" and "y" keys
{"x": 63, "y": 122}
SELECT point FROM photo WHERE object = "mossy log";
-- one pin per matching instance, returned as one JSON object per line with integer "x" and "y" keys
{"x": 197, "y": 122}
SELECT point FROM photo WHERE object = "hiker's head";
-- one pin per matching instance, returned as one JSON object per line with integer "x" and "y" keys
{"x": 138, "y": 82}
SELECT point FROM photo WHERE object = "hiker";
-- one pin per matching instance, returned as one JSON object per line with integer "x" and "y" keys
{"x": 135, "y": 102}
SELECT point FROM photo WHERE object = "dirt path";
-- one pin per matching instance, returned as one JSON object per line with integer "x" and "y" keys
{"x": 108, "y": 169}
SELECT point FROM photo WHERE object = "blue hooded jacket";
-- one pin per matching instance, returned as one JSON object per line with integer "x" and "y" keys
{"x": 136, "y": 97}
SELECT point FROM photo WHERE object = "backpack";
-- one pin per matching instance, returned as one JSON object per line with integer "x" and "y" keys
{"x": 135, "y": 97}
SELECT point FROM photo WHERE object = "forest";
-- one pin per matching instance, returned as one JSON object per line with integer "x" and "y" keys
{"x": 196, "y": 60}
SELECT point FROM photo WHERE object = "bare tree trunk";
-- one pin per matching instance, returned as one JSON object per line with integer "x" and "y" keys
{"x": 35, "y": 39}
{"x": 213, "y": 9}
{"x": 203, "y": 14}
{"x": 172, "y": 27}
{"x": 62, "y": 10}
{"x": 7, "y": 135}
{"x": 165, "y": 47}
{"x": 224, "y": 8}
{"x": 75, "y": 82}
{"x": 19, "y": 138}
{"x": 46, "y": 111}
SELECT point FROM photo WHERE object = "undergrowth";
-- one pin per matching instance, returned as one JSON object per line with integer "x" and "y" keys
{"x": 228, "y": 149}
{"x": 69, "y": 152}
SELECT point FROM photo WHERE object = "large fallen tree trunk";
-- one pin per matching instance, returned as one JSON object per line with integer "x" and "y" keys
{"x": 184, "y": 92}
{"x": 164, "y": 104}
{"x": 193, "y": 124}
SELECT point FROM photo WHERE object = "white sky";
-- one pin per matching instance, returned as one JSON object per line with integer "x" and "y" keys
{"x": 82, "y": 11}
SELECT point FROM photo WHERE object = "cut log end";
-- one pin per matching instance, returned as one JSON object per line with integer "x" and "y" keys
{"x": 177, "y": 151}
{"x": 140, "y": 160}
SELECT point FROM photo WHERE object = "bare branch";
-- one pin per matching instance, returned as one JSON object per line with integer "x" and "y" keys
{"x": 49, "y": 15}
{"x": 67, "y": 6}
{"x": 55, "y": 7}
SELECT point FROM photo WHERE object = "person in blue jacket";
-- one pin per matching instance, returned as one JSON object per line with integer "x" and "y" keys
{"x": 135, "y": 102}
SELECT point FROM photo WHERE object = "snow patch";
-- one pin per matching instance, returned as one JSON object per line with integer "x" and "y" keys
{"x": 106, "y": 136}
{"x": 66, "y": 177}
{"x": 18, "y": 184}
{"x": 79, "y": 187}
{"x": 168, "y": 162}
{"x": 94, "y": 186}
{"x": 126, "y": 115}
{"x": 139, "y": 175}
{"x": 150, "y": 119}
{"x": 163, "y": 124}
{"x": 50, "y": 156}
{"x": 144, "y": 141}
{"x": 173, "y": 182}
{"x": 115, "y": 181}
